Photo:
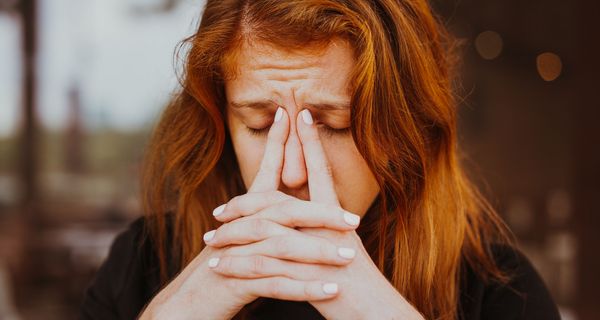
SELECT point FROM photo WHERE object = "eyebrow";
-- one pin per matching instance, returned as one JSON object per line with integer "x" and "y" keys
{"x": 265, "y": 104}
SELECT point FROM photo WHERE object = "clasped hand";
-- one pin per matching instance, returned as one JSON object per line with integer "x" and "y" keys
{"x": 274, "y": 245}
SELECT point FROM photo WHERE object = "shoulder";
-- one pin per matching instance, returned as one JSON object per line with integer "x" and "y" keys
{"x": 127, "y": 278}
{"x": 523, "y": 296}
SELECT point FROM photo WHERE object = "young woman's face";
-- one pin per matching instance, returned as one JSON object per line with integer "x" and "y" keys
{"x": 268, "y": 78}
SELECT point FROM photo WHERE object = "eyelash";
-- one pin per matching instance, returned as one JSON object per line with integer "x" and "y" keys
{"x": 329, "y": 131}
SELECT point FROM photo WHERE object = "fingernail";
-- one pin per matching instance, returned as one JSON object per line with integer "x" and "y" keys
{"x": 278, "y": 114}
{"x": 330, "y": 288}
{"x": 209, "y": 235}
{"x": 213, "y": 262}
{"x": 351, "y": 219}
{"x": 307, "y": 117}
{"x": 347, "y": 253}
{"x": 218, "y": 210}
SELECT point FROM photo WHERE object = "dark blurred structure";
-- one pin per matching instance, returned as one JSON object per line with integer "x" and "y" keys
{"x": 528, "y": 123}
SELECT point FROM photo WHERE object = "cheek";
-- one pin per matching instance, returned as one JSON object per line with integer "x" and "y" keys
{"x": 249, "y": 152}
{"x": 355, "y": 183}
{"x": 343, "y": 156}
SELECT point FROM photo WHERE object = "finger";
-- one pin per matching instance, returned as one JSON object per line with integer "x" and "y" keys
{"x": 287, "y": 289}
{"x": 245, "y": 231}
{"x": 295, "y": 213}
{"x": 289, "y": 211}
{"x": 269, "y": 174}
{"x": 248, "y": 204}
{"x": 255, "y": 267}
{"x": 320, "y": 178}
{"x": 299, "y": 248}
{"x": 272, "y": 223}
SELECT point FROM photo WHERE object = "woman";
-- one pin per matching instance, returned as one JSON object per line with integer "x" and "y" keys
{"x": 313, "y": 145}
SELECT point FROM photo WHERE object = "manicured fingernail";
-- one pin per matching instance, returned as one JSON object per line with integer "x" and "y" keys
{"x": 351, "y": 219}
{"x": 213, "y": 262}
{"x": 209, "y": 235}
{"x": 330, "y": 288}
{"x": 278, "y": 114}
{"x": 218, "y": 210}
{"x": 347, "y": 253}
{"x": 307, "y": 117}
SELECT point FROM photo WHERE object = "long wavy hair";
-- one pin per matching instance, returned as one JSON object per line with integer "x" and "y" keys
{"x": 427, "y": 223}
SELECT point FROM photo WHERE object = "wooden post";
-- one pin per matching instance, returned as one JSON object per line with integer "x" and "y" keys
{"x": 28, "y": 146}
{"x": 27, "y": 159}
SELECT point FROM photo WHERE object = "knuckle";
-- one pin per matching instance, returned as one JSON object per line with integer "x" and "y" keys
{"x": 324, "y": 251}
{"x": 282, "y": 247}
{"x": 227, "y": 253}
{"x": 285, "y": 209}
{"x": 291, "y": 218}
{"x": 307, "y": 291}
{"x": 276, "y": 287}
{"x": 258, "y": 227}
{"x": 226, "y": 264}
{"x": 258, "y": 265}
{"x": 318, "y": 271}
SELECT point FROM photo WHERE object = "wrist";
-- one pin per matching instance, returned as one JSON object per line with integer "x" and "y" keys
{"x": 399, "y": 310}
{"x": 388, "y": 303}
{"x": 156, "y": 310}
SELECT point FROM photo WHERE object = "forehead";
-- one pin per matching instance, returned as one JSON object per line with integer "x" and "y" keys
{"x": 263, "y": 55}
{"x": 262, "y": 69}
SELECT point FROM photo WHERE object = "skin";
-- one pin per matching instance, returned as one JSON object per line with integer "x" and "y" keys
{"x": 292, "y": 236}
{"x": 300, "y": 177}
{"x": 302, "y": 240}
{"x": 294, "y": 81}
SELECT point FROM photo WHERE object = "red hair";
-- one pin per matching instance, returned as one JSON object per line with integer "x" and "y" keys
{"x": 428, "y": 218}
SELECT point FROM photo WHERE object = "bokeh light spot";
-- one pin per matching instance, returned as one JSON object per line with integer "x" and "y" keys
{"x": 549, "y": 66}
{"x": 489, "y": 45}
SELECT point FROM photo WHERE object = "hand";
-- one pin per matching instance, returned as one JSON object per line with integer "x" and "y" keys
{"x": 262, "y": 240}
{"x": 267, "y": 239}
{"x": 200, "y": 293}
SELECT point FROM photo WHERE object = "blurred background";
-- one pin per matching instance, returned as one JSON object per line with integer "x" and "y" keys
{"x": 83, "y": 82}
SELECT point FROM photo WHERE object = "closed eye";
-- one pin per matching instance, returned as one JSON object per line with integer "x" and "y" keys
{"x": 327, "y": 130}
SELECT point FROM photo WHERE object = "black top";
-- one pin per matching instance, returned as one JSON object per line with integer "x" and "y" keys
{"x": 128, "y": 279}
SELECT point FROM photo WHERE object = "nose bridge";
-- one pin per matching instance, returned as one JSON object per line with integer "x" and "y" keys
{"x": 293, "y": 174}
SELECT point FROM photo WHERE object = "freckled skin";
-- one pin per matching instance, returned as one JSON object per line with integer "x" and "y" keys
{"x": 293, "y": 80}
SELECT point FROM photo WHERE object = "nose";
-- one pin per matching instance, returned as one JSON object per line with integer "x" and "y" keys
{"x": 293, "y": 174}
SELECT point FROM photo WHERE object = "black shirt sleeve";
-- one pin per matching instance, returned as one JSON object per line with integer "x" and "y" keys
{"x": 524, "y": 296}
{"x": 129, "y": 278}
{"x": 123, "y": 284}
